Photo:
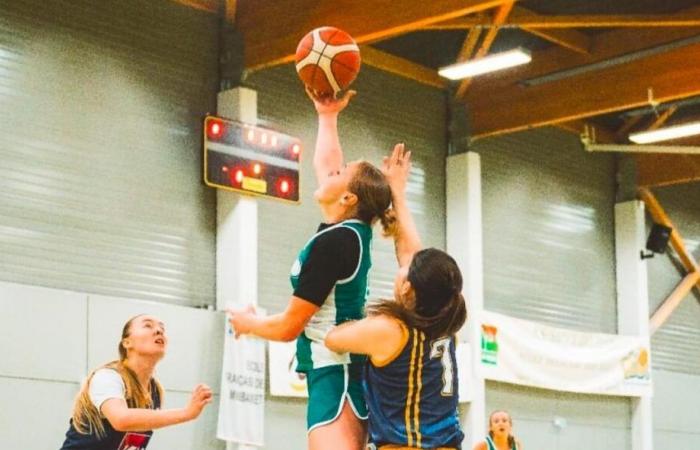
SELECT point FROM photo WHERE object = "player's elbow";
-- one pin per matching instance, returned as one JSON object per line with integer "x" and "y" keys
{"x": 290, "y": 333}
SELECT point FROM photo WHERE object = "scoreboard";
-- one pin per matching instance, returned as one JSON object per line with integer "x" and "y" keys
{"x": 251, "y": 159}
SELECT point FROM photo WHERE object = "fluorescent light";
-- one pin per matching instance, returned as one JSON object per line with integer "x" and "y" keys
{"x": 486, "y": 64}
{"x": 665, "y": 134}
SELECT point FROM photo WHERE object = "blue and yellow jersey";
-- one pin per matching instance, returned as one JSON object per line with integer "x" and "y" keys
{"x": 412, "y": 397}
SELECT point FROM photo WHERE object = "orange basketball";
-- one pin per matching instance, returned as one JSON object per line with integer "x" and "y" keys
{"x": 327, "y": 60}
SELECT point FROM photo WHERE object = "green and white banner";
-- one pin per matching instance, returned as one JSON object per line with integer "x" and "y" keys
{"x": 529, "y": 353}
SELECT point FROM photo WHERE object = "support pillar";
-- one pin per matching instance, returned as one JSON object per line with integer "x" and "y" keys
{"x": 633, "y": 303}
{"x": 464, "y": 243}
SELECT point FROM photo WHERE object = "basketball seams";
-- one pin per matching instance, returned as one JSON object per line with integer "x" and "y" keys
{"x": 329, "y": 58}
{"x": 329, "y": 76}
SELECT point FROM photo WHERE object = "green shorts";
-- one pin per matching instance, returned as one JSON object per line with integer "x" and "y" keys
{"x": 328, "y": 388}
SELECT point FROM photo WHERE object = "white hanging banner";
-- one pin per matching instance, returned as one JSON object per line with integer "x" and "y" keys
{"x": 242, "y": 404}
{"x": 285, "y": 381}
{"x": 529, "y": 353}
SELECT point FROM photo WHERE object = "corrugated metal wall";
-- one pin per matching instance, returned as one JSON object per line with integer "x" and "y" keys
{"x": 100, "y": 110}
{"x": 676, "y": 345}
{"x": 549, "y": 256}
{"x": 381, "y": 115}
{"x": 549, "y": 251}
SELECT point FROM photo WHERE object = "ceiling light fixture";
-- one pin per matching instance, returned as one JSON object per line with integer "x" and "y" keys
{"x": 491, "y": 63}
{"x": 667, "y": 133}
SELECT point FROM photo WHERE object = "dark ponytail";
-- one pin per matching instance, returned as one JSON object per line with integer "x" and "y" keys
{"x": 439, "y": 308}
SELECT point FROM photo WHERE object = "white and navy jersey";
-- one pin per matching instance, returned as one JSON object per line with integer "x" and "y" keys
{"x": 412, "y": 398}
{"x": 112, "y": 440}
{"x": 331, "y": 271}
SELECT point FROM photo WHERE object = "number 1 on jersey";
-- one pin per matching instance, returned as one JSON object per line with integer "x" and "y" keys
{"x": 441, "y": 349}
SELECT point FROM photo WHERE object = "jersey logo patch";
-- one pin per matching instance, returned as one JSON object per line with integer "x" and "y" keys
{"x": 296, "y": 268}
{"x": 134, "y": 441}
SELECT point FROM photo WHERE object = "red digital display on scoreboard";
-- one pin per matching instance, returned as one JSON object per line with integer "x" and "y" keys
{"x": 251, "y": 159}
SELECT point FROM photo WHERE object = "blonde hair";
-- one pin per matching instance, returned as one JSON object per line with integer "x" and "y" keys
{"x": 86, "y": 417}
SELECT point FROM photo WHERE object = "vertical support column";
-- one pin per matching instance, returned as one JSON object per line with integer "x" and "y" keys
{"x": 464, "y": 243}
{"x": 236, "y": 225}
{"x": 633, "y": 303}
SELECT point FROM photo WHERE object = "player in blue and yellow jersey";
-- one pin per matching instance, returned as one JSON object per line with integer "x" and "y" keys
{"x": 411, "y": 376}
{"x": 330, "y": 282}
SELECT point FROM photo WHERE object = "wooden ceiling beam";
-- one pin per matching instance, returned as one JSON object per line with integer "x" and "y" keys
{"x": 522, "y": 18}
{"x": 655, "y": 170}
{"x": 567, "y": 38}
{"x": 577, "y": 127}
{"x": 499, "y": 17}
{"x": 663, "y": 117}
{"x": 691, "y": 278}
{"x": 230, "y": 11}
{"x": 496, "y": 108}
{"x": 469, "y": 44}
{"x": 271, "y": 30}
{"x": 570, "y": 39}
{"x": 401, "y": 67}
{"x": 663, "y": 169}
{"x": 211, "y": 6}
{"x": 602, "y": 47}
{"x": 609, "y": 21}
{"x": 664, "y": 311}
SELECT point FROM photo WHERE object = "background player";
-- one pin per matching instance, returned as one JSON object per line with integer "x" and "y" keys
{"x": 500, "y": 435}
{"x": 119, "y": 403}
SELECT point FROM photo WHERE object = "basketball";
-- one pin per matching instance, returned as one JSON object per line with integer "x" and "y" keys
{"x": 327, "y": 60}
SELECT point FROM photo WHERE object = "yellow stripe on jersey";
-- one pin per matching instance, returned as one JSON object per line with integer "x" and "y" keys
{"x": 409, "y": 396}
{"x": 416, "y": 413}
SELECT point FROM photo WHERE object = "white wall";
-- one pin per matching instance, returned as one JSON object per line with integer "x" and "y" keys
{"x": 52, "y": 338}
{"x": 675, "y": 407}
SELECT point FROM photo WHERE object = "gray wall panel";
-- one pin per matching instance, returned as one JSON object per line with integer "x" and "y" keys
{"x": 31, "y": 319}
{"x": 676, "y": 345}
{"x": 100, "y": 109}
{"x": 34, "y": 413}
{"x": 548, "y": 230}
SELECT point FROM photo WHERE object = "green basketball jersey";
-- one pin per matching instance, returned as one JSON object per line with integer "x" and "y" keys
{"x": 492, "y": 445}
{"x": 345, "y": 302}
